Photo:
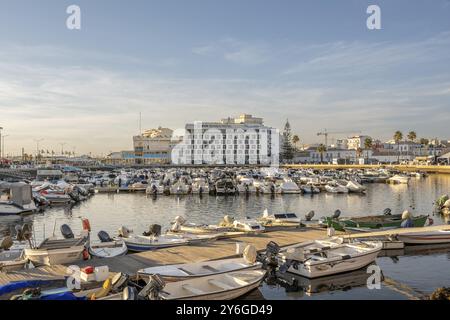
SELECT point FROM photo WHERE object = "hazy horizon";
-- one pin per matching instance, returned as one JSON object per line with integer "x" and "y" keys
{"x": 312, "y": 62}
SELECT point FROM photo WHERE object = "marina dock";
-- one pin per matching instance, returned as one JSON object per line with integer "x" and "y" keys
{"x": 131, "y": 263}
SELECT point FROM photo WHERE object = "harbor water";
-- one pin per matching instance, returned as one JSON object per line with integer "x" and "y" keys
{"x": 411, "y": 273}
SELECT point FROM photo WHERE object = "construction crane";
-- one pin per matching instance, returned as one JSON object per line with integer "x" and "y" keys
{"x": 326, "y": 133}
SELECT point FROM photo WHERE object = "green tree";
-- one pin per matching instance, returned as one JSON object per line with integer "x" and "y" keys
{"x": 368, "y": 145}
{"x": 287, "y": 148}
{"x": 321, "y": 149}
{"x": 398, "y": 136}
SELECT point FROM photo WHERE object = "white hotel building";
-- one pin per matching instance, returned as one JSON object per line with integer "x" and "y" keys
{"x": 232, "y": 141}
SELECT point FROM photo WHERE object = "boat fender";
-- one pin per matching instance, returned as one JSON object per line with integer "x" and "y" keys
{"x": 86, "y": 225}
{"x": 250, "y": 254}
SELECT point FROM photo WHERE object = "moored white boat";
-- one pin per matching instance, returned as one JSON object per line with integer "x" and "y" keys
{"x": 279, "y": 219}
{"x": 426, "y": 237}
{"x": 333, "y": 260}
{"x": 108, "y": 247}
{"x": 226, "y": 286}
{"x": 186, "y": 271}
{"x": 289, "y": 186}
{"x": 60, "y": 251}
{"x": 402, "y": 179}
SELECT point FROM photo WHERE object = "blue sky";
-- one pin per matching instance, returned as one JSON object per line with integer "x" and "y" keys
{"x": 314, "y": 62}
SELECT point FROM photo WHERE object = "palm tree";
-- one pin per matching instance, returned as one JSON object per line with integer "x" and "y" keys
{"x": 398, "y": 136}
{"x": 295, "y": 140}
{"x": 412, "y": 136}
{"x": 368, "y": 145}
{"x": 321, "y": 149}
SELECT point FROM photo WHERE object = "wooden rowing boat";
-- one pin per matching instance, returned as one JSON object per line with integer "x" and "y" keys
{"x": 186, "y": 271}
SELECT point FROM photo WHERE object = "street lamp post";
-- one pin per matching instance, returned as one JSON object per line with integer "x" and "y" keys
{"x": 1, "y": 128}
{"x": 38, "y": 152}
{"x": 3, "y": 145}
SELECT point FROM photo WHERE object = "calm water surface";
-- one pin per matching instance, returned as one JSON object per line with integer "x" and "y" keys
{"x": 409, "y": 274}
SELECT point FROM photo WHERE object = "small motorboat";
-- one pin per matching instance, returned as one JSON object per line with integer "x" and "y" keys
{"x": 143, "y": 243}
{"x": 200, "y": 186}
{"x": 398, "y": 178}
{"x": 379, "y": 222}
{"x": 11, "y": 254}
{"x": 248, "y": 225}
{"x": 327, "y": 261}
{"x": 16, "y": 198}
{"x": 224, "y": 286}
{"x": 279, "y": 219}
{"x": 179, "y": 272}
{"x": 60, "y": 251}
{"x": 155, "y": 187}
{"x": 334, "y": 187}
{"x": 289, "y": 186}
{"x": 309, "y": 188}
{"x": 108, "y": 247}
{"x": 153, "y": 239}
{"x": 426, "y": 237}
{"x": 225, "y": 186}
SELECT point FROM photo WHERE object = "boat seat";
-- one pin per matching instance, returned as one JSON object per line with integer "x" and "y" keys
{"x": 192, "y": 289}
{"x": 208, "y": 267}
{"x": 220, "y": 284}
{"x": 186, "y": 271}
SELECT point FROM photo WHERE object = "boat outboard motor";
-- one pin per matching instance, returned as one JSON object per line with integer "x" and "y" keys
{"x": 310, "y": 215}
{"x": 387, "y": 212}
{"x": 104, "y": 236}
{"x": 6, "y": 243}
{"x": 153, "y": 230}
{"x": 130, "y": 293}
{"x": 336, "y": 214}
{"x": 119, "y": 281}
{"x": 24, "y": 232}
{"x": 124, "y": 232}
{"x": 153, "y": 288}
{"x": 67, "y": 232}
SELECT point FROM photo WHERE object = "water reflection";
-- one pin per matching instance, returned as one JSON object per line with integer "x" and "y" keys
{"x": 297, "y": 286}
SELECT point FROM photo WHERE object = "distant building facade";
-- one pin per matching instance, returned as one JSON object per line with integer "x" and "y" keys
{"x": 356, "y": 142}
{"x": 153, "y": 146}
{"x": 241, "y": 140}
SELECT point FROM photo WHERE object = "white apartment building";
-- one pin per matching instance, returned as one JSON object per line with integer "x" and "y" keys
{"x": 153, "y": 146}
{"x": 242, "y": 140}
{"x": 356, "y": 142}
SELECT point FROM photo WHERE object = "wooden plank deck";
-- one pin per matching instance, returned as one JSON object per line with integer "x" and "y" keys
{"x": 220, "y": 249}
{"x": 131, "y": 263}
